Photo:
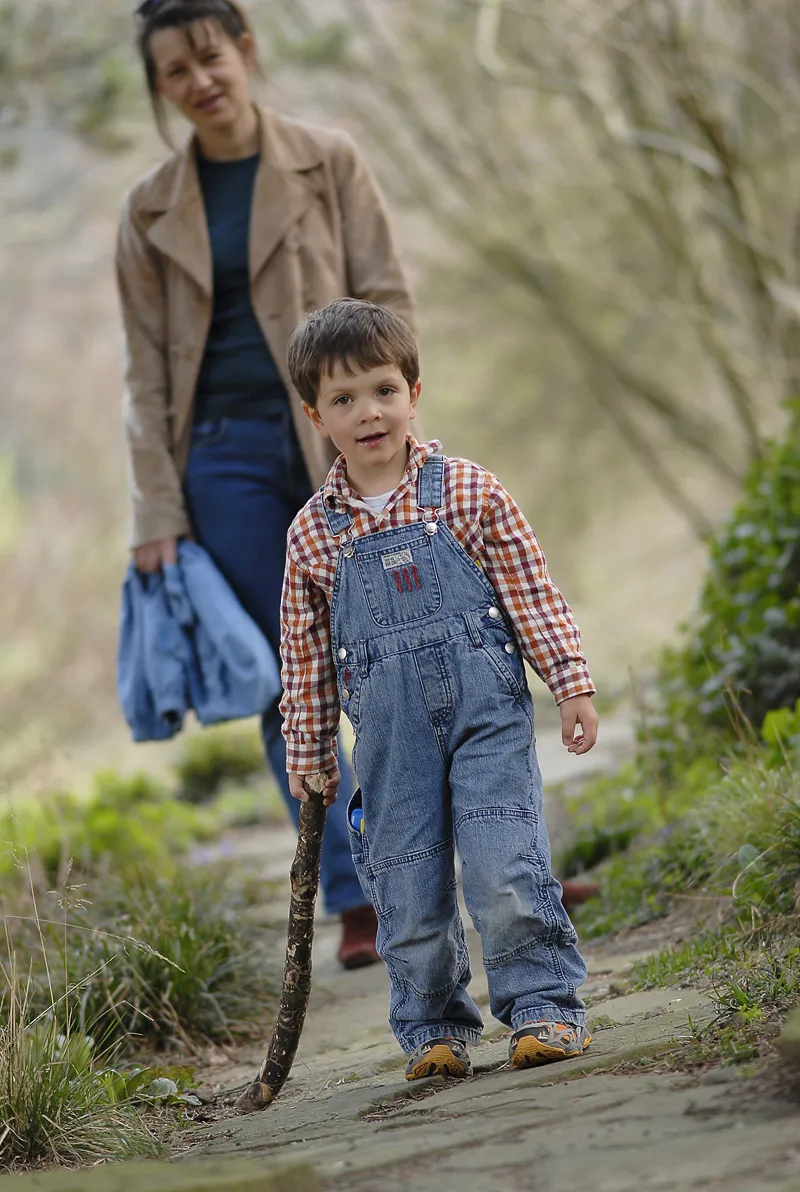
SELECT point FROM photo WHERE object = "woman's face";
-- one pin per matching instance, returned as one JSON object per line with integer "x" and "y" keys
{"x": 204, "y": 74}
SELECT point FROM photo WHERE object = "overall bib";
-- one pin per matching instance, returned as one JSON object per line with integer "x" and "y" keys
{"x": 432, "y": 679}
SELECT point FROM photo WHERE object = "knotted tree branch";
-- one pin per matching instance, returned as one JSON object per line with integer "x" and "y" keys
{"x": 297, "y": 972}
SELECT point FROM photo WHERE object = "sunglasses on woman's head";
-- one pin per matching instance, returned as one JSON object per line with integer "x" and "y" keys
{"x": 147, "y": 8}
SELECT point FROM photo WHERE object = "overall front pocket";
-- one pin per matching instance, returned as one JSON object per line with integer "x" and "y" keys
{"x": 400, "y": 581}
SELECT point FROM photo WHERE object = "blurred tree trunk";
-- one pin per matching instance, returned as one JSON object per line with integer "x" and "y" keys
{"x": 625, "y": 173}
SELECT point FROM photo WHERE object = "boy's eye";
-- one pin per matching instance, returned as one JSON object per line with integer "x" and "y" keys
{"x": 176, "y": 70}
{"x": 342, "y": 399}
{"x": 385, "y": 391}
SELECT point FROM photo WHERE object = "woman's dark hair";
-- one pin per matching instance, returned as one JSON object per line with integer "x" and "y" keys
{"x": 153, "y": 15}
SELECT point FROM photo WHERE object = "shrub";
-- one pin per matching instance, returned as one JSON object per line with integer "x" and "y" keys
{"x": 154, "y": 961}
{"x": 735, "y": 832}
{"x": 741, "y": 658}
{"x": 127, "y": 822}
{"x": 59, "y": 1103}
{"x": 218, "y": 755}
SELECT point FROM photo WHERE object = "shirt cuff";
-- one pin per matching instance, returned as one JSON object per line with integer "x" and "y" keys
{"x": 306, "y": 756}
{"x": 567, "y": 682}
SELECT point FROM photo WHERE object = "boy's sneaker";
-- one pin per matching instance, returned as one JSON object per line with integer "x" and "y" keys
{"x": 543, "y": 1042}
{"x": 439, "y": 1057}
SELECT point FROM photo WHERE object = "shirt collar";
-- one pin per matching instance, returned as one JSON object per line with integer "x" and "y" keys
{"x": 337, "y": 494}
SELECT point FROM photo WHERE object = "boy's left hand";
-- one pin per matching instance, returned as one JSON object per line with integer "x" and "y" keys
{"x": 578, "y": 712}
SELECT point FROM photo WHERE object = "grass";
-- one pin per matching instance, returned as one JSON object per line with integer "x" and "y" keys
{"x": 121, "y": 822}
{"x": 92, "y": 977}
{"x": 60, "y": 1102}
{"x": 159, "y": 961}
{"x": 752, "y": 977}
{"x": 209, "y": 760}
{"x": 730, "y": 829}
{"x": 58, "y": 1107}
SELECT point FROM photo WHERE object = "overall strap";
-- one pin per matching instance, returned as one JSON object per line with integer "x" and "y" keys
{"x": 339, "y": 523}
{"x": 430, "y": 483}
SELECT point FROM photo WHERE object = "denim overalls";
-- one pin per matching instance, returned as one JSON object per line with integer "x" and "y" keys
{"x": 431, "y": 677}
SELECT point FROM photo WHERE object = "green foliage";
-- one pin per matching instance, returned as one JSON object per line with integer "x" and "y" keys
{"x": 127, "y": 822}
{"x": 703, "y": 956}
{"x": 753, "y": 976}
{"x": 607, "y": 815}
{"x": 60, "y": 1103}
{"x": 157, "y": 960}
{"x": 730, "y": 830}
{"x": 742, "y": 656}
{"x": 229, "y": 753}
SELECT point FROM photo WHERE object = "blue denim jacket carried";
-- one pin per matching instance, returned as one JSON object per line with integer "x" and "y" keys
{"x": 186, "y": 643}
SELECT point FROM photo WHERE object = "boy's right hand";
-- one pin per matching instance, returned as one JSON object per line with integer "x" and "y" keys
{"x": 299, "y": 792}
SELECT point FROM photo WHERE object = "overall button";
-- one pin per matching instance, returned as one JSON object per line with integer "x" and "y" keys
{"x": 345, "y": 694}
{"x": 510, "y": 648}
{"x": 343, "y": 653}
{"x": 494, "y": 613}
{"x": 431, "y": 528}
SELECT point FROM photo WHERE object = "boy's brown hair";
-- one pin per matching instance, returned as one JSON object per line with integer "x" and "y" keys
{"x": 354, "y": 334}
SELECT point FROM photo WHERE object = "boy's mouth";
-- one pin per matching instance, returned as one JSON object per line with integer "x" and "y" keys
{"x": 373, "y": 440}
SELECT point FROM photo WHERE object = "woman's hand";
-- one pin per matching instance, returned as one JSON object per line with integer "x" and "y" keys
{"x": 578, "y": 713}
{"x": 151, "y": 557}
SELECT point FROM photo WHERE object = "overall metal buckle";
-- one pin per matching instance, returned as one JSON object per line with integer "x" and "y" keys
{"x": 430, "y": 524}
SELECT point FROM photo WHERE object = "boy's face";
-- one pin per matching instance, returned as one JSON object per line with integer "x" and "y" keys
{"x": 366, "y": 415}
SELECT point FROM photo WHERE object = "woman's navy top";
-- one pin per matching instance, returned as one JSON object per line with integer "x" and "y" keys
{"x": 238, "y": 377}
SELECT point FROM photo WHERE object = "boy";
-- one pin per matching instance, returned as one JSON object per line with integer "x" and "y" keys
{"x": 413, "y": 587}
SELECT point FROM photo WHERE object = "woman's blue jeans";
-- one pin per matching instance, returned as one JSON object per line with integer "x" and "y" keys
{"x": 244, "y": 484}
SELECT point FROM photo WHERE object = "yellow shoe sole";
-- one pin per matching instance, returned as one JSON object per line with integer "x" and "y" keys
{"x": 530, "y": 1053}
{"x": 439, "y": 1061}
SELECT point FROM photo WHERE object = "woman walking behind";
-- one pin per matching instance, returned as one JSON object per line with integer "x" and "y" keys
{"x": 222, "y": 250}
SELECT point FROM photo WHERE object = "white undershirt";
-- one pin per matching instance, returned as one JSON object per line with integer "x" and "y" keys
{"x": 378, "y": 504}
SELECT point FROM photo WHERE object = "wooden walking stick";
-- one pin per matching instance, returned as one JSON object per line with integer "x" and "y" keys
{"x": 297, "y": 972}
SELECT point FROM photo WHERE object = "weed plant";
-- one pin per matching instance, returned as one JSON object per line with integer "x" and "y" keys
{"x": 218, "y": 756}
{"x": 741, "y": 649}
{"x": 156, "y": 961}
{"x": 726, "y": 829}
{"x": 61, "y": 1101}
{"x": 123, "y": 823}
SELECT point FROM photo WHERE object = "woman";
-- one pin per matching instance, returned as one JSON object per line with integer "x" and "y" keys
{"x": 221, "y": 251}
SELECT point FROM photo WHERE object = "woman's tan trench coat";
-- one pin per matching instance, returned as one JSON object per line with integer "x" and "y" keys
{"x": 319, "y": 231}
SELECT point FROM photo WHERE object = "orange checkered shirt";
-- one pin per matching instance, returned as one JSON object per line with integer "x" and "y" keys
{"x": 487, "y": 524}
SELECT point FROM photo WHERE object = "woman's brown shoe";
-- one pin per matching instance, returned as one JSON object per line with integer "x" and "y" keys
{"x": 359, "y": 928}
{"x": 576, "y": 893}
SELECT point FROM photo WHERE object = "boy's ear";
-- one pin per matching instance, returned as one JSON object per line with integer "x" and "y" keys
{"x": 313, "y": 415}
{"x": 415, "y": 392}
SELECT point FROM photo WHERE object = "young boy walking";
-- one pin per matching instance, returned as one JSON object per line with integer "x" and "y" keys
{"x": 414, "y": 588}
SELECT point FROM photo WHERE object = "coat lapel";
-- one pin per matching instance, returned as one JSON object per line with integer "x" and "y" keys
{"x": 282, "y": 192}
{"x": 181, "y": 232}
